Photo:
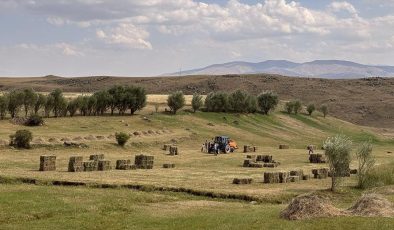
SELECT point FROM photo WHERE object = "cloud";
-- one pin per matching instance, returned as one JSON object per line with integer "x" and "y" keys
{"x": 343, "y": 6}
{"x": 126, "y": 35}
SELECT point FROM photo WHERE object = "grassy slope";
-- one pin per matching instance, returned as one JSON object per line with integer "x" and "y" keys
{"x": 42, "y": 207}
{"x": 73, "y": 207}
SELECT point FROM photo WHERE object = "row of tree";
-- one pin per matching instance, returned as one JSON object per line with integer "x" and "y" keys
{"x": 296, "y": 107}
{"x": 239, "y": 101}
{"x": 117, "y": 98}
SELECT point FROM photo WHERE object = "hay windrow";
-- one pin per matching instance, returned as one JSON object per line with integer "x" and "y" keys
{"x": 309, "y": 206}
{"x": 372, "y": 205}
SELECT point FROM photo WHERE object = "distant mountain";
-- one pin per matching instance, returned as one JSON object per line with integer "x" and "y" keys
{"x": 319, "y": 68}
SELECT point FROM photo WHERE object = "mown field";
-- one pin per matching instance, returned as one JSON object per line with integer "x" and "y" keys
{"x": 43, "y": 206}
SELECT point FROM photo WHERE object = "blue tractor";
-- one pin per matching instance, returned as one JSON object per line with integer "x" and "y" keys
{"x": 224, "y": 143}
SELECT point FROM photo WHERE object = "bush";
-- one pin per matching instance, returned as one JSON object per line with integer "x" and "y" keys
{"x": 289, "y": 107}
{"x": 337, "y": 150}
{"x": 267, "y": 101}
{"x": 176, "y": 101}
{"x": 122, "y": 138}
{"x": 311, "y": 108}
{"x": 297, "y": 106}
{"x": 217, "y": 102}
{"x": 34, "y": 120}
{"x": 21, "y": 139}
{"x": 324, "y": 110}
{"x": 365, "y": 163}
{"x": 197, "y": 102}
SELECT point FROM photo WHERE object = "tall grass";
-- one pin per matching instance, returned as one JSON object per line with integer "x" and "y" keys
{"x": 380, "y": 176}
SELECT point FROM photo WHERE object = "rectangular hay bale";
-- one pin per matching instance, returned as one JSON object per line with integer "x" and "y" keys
{"x": 271, "y": 177}
{"x": 242, "y": 180}
{"x": 75, "y": 164}
{"x": 47, "y": 163}
{"x": 104, "y": 165}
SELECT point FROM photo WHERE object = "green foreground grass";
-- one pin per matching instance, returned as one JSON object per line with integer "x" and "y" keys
{"x": 49, "y": 207}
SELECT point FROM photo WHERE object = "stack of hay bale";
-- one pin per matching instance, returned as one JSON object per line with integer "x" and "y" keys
{"x": 282, "y": 146}
{"x": 144, "y": 161}
{"x": 96, "y": 162}
{"x": 166, "y": 147}
{"x": 124, "y": 165}
{"x": 296, "y": 175}
{"x": 75, "y": 164}
{"x": 96, "y": 158}
{"x": 271, "y": 177}
{"x": 321, "y": 173}
{"x": 173, "y": 150}
{"x": 47, "y": 163}
{"x": 248, "y": 148}
{"x": 169, "y": 165}
{"x": 88, "y": 166}
{"x": 284, "y": 176}
{"x": 104, "y": 165}
{"x": 242, "y": 180}
{"x": 317, "y": 158}
{"x": 259, "y": 161}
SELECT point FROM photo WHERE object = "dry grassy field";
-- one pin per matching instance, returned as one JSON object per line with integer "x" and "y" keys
{"x": 195, "y": 171}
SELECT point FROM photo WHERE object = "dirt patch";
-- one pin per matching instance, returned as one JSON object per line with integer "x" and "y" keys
{"x": 372, "y": 205}
{"x": 309, "y": 206}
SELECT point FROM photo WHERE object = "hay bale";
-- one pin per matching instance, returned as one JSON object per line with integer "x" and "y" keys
{"x": 372, "y": 205}
{"x": 242, "y": 180}
{"x": 308, "y": 207}
{"x": 298, "y": 172}
{"x": 166, "y": 147}
{"x": 255, "y": 165}
{"x": 317, "y": 158}
{"x": 264, "y": 158}
{"x": 252, "y": 157}
{"x": 269, "y": 165}
{"x": 353, "y": 171}
{"x": 75, "y": 164}
{"x": 96, "y": 157}
{"x": 47, "y": 163}
{"x": 169, "y": 165}
{"x": 294, "y": 178}
{"x": 248, "y": 148}
{"x": 320, "y": 173}
{"x": 104, "y": 165}
{"x": 283, "y": 177}
{"x": 247, "y": 163}
{"x": 305, "y": 177}
{"x": 144, "y": 161}
{"x": 271, "y": 177}
{"x": 124, "y": 165}
{"x": 282, "y": 146}
{"x": 89, "y": 166}
{"x": 173, "y": 150}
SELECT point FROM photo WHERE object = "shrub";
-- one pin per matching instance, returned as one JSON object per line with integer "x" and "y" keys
{"x": 21, "y": 139}
{"x": 176, "y": 101}
{"x": 366, "y": 162}
{"x": 217, "y": 102}
{"x": 337, "y": 150}
{"x": 197, "y": 102}
{"x": 267, "y": 101}
{"x": 3, "y": 106}
{"x": 311, "y": 108}
{"x": 324, "y": 110}
{"x": 297, "y": 106}
{"x": 34, "y": 120}
{"x": 122, "y": 138}
{"x": 289, "y": 107}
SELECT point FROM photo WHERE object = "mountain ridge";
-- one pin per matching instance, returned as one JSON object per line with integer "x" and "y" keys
{"x": 331, "y": 69}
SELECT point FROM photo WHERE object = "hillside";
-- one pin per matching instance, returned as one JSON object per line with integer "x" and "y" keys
{"x": 362, "y": 101}
{"x": 330, "y": 69}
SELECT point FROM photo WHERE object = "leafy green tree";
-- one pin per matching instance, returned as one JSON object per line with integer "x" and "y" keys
{"x": 238, "y": 101}
{"x": 40, "y": 103}
{"x": 103, "y": 101}
{"x": 297, "y": 106}
{"x": 83, "y": 105}
{"x": 366, "y": 162}
{"x": 29, "y": 100}
{"x": 289, "y": 107}
{"x": 267, "y": 101}
{"x": 135, "y": 98}
{"x": 217, "y": 102}
{"x": 176, "y": 101}
{"x": 324, "y": 110}
{"x": 58, "y": 102}
{"x": 251, "y": 104}
{"x": 197, "y": 102}
{"x": 15, "y": 101}
{"x": 92, "y": 102}
{"x": 3, "y": 106}
{"x": 73, "y": 107}
{"x": 49, "y": 105}
{"x": 337, "y": 150}
{"x": 311, "y": 108}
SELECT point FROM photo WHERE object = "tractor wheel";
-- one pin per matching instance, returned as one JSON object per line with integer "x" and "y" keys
{"x": 232, "y": 149}
{"x": 227, "y": 149}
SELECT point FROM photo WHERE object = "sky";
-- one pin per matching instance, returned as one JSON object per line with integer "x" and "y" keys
{"x": 152, "y": 37}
